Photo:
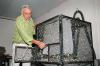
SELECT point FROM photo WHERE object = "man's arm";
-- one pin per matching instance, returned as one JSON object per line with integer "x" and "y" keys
{"x": 28, "y": 39}
{"x": 40, "y": 44}
{"x": 23, "y": 33}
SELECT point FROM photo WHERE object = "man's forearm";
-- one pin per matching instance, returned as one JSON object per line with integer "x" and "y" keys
{"x": 35, "y": 42}
{"x": 39, "y": 43}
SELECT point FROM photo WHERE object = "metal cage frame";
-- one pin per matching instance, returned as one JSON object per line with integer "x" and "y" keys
{"x": 61, "y": 42}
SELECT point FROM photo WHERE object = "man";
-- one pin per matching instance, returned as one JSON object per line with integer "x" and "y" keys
{"x": 24, "y": 31}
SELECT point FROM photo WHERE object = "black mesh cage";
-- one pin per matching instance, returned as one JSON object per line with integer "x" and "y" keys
{"x": 68, "y": 41}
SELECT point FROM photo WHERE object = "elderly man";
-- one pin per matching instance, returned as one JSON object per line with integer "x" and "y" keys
{"x": 24, "y": 31}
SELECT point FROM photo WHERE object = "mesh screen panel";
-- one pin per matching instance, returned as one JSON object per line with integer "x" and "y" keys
{"x": 48, "y": 32}
{"x": 23, "y": 54}
{"x": 27, "y": 54}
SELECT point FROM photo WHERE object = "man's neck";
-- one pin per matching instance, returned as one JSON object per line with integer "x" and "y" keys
{"x": 27, "y": 19}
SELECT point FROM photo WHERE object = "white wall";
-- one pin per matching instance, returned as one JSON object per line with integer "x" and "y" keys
{"x": 91, "y": 11}
{"x": 6, "y": 31}
{"x": 98, "y": 25}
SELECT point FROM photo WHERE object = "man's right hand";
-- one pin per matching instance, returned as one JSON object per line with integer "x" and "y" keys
{"x": 41, "y": 45}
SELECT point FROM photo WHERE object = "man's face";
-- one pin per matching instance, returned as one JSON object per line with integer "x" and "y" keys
{"x": 27, "y": 13}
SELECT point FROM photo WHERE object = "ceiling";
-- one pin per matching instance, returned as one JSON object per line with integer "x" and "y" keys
{"x": 11, "y": 8}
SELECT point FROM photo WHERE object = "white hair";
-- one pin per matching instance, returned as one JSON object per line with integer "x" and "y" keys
{"x": 25, "y": 6}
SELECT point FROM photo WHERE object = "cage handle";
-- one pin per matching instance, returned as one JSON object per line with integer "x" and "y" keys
{"x": 78, "y": 12}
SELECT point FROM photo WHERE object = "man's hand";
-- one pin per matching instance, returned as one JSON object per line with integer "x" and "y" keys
{"x": 39, "y": 44}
